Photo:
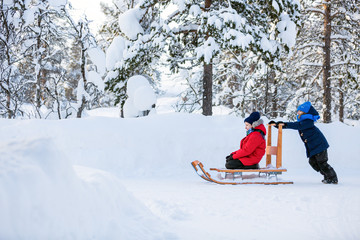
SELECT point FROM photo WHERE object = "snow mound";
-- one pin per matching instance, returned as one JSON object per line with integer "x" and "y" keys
{"x": 141, "y": 96}
{"x": 134, "y": 83}
{"x": 44, "y": 197}
{"x": 144, "y": 98}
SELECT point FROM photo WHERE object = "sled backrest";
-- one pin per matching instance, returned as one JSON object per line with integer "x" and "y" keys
{"x": 274, "y": 150}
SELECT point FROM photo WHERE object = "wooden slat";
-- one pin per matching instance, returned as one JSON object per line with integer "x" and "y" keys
{"x": 264, "y": 170}
{"x": 279, "y": 148}
{"x": 274, "y": 150}
{"x": 268, "y": 144}
{"x": 271, "y": 150}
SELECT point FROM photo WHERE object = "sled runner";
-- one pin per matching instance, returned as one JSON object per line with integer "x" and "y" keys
{"x": 268, "y": 175}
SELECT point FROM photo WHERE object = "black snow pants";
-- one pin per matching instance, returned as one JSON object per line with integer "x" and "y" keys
{"x": 237, "y": 164}
{"x": 319, "y": 162}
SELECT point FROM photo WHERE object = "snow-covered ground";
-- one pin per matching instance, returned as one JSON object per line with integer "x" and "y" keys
{"x": 103, "y": 177}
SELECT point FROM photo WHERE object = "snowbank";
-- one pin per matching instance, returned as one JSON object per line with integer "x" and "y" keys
{"x": 164, "y": 144}
{"x": 42, "y": 196}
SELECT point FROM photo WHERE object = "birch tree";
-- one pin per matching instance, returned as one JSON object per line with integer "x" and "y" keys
{"x": 11, "y": 83}
{"x": 44, "y": 50}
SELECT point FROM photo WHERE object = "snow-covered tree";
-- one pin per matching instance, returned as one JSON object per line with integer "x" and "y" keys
{"x": 246, "y": 83}
{"x": 207, "y": 30}
{"x": 90, "y": 65}
{"x": 196, "y": 32}
{"x": 44, "y": 49}
{"x": 11, "y": 83}
{"x": 345, "y": 63}
{"x": 137, "y": 49}
{"x": 326, "y": 58}
{"x": 110, "y": 28}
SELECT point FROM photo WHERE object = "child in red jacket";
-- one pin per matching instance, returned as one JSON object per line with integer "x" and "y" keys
{"x": 252, "y": 147}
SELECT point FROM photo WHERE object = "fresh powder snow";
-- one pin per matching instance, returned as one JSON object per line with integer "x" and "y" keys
{"x": 104, "y": 177}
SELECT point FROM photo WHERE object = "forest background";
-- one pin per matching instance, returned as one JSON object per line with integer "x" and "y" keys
{"x": 243, "y": 55}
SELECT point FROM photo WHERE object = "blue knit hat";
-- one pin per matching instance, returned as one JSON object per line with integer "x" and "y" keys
{"x": 305, "y": 107}
{"x": 252, "y": 118}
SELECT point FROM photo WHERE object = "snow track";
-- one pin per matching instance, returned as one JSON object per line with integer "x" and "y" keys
{"x": 199, "y": 210}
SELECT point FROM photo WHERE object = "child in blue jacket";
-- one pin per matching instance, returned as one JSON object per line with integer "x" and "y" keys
{"x": 315, "y": 142}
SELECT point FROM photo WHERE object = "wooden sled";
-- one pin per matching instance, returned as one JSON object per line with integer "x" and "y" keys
{"x": 235, "y": 180}
{"x": 236, "y": 176}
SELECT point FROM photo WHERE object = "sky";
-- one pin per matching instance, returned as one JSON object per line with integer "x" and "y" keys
{"x": 91, "y": 9}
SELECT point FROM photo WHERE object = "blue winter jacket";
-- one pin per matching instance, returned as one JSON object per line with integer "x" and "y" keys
{"x": 315, "y": 142}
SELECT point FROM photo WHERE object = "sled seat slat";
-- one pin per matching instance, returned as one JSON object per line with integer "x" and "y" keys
{"x": 261, "y": 170}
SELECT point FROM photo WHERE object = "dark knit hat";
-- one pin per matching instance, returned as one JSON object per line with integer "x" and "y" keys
{"x": 252, "y": 118}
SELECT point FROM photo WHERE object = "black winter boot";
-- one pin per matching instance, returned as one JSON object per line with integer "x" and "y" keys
{"x": 325, "y": 169}
{"x": 330, "y": 181}
{"x": 330, "y": 176}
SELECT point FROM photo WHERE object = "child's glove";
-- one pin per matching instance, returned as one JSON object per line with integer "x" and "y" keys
{"x": 280, "y": 122}
{"x": 272, "y": 122}
{"x": 229, "y": 158}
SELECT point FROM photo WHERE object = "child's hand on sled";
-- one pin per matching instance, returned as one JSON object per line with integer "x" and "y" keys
{"x": 280, "y": 122}
{"x": 272, "y": 122}
{"x": 229, "y": 158}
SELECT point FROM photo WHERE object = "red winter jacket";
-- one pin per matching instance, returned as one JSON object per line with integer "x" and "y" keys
{"x": 252, "y": 147}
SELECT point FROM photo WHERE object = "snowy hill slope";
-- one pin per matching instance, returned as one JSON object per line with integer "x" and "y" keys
{"x": 43, "y": 196}
{"x": 111, "y": 178}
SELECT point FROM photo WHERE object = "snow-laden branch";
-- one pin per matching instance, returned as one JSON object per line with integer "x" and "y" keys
{"x": 312, "y": 44}
{"x": 332, "y": 64}
{"x": 186, "y": 29}
{"x": 345, "y": 63}
{"x": 340, "y": 37}
{"x": 315, "y": 10}
{"x": 313, "y": 64}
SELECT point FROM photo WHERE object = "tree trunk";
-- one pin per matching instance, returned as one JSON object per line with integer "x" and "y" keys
{"x": 207, "y": 80}
{"x": 326, "y": 63}
{"x": 38, "y": 70}
{"x": 266, "y": 92}
{"x": 8, "y": 103}
{"x": 207, "y": 85}
{"x": 83, "y": 74}
{"x": 274, "y": 110}
{"x": 341, "y": 101}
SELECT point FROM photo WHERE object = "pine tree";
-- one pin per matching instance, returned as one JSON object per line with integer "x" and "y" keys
{"x": 143, "y": 46}
{"x": 205, "y": 32}
{"x": 325, "y": 59}
{"x": 345, "y": 58}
